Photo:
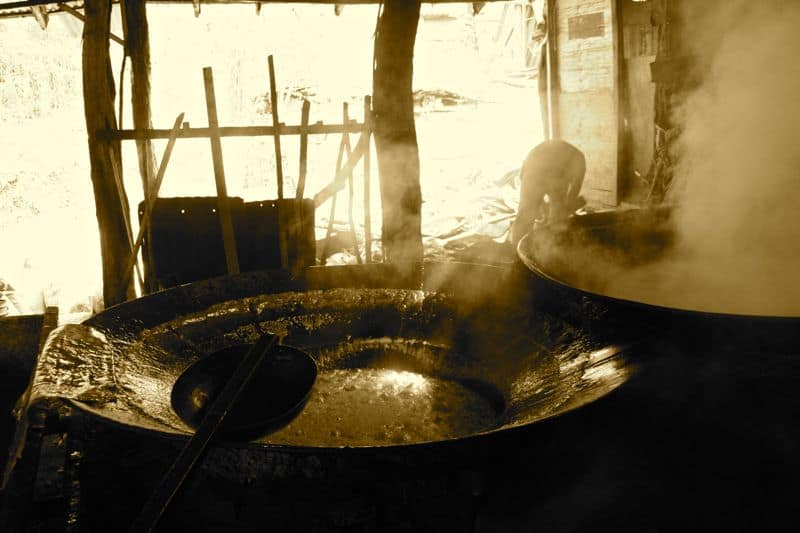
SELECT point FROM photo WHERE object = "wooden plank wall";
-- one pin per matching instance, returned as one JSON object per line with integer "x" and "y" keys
{"x": 588, "y": 101}
{"x": 639, "y": 45}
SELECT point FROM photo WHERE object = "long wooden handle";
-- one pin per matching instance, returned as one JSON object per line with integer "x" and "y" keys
{"x": 171, "y": 482}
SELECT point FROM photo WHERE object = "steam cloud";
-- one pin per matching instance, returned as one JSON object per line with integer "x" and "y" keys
{"x": 737, "y": 174}
{"x": 738, "y": 159}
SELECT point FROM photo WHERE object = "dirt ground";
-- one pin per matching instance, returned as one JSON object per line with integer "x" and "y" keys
{"x": 477, "y": 116}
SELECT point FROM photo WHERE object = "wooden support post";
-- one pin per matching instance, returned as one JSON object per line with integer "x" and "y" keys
{"x": 367, "y": 193}
{"x": 395, "y": 133}
{"x": 138, "y": 48}
{"x": 98, "y": 97}
{"x": 303, "y": 255}
{"x": 273, "y": 100}
{"x": 223, "y": 208}
{"x": 301, "y": 181}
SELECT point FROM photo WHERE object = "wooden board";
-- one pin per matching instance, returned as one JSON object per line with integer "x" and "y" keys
{"x": 639, "y": 45}
{"x": 588, "y": 99}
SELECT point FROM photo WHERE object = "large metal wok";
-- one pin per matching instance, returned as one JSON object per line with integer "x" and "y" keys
{"x": 569, "y": 265}
{"x": 460, "y": 355}
{"x": 419, "y": 378}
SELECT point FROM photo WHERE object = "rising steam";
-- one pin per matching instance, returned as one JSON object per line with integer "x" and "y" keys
{"x": 738, "y": 162}
{"x": 737, "y": 176}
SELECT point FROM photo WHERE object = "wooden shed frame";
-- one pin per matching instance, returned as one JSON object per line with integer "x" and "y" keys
{"x": 390, "y": 120}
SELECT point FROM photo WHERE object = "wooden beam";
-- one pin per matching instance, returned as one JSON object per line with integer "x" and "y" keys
{"x": 395, "y": 132}
{"x": 29, "y": 3}
{"x": 98, "y": 96}
{"x": 77, "y": 14}
{"x": 233, "y": 131}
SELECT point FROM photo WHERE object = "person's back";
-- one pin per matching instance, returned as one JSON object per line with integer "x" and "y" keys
{"x": 554, "y": 169}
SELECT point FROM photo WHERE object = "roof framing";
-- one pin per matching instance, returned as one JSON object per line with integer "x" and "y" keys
{"x": 22, "y": 8}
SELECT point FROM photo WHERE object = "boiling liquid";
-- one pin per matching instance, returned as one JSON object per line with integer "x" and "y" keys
{"x": 369, "y": 407}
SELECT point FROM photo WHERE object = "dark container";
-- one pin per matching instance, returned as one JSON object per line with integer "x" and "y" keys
{"x": 186, "y": 241}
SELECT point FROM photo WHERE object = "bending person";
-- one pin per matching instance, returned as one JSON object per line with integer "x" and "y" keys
{"x": 550, "y": 183}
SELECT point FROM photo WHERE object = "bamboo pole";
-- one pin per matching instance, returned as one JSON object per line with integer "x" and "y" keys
{"x": 367, "y": 193}
{"x": 340, "y": 179}
{"x": 302, "y": 255}
{"x": 344, "y": 146}
{"x": 144, "y": 227}
{"x": 350, "y": 219}
{"x": 276, "y": 125}
{"x": 121, "y": 193}
{"x": 301, "y": 181}
{"x": 223, "y": 208}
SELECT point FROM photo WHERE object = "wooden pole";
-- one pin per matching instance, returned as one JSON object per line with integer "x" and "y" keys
{"x": 367, "y": 193}
{"x": 98, "y": 97}
{"x": 121, "y": 191}
{"x": 553, "y": 80}
{"x": 144, "y": 227}
{"x": 273, "y": 98}
{"x": 350, "y": 189}
{"x": 395, "y": 133}
{"x": 301, "y": 181}
{"x": 138, "y": 47}
{"x": 223, "y": 208}
{"x": 303, "y": 254}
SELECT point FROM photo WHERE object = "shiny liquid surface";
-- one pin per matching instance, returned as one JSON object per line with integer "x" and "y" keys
{"x": 368, "y": 407}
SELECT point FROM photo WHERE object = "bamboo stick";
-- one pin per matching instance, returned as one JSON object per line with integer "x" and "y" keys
{"x": 226, "y": 224}
{"x": 350, "y": 219}
{"x": 151, "y": 201}
{"x": 343, "y": 145}
{"x": 299, "y": 219}
{"x": 276, "y": 125}
{"x": 301, "y": 181}
{"x": 340, "y": 178}
{"x": 367, "y": 199}
{"x": 129, "y": 232}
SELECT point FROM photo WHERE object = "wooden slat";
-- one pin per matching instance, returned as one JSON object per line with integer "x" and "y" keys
{"x": 341, "y": 176}
{"x": 223, "y": 209}
{"x": 232, "y": 131}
